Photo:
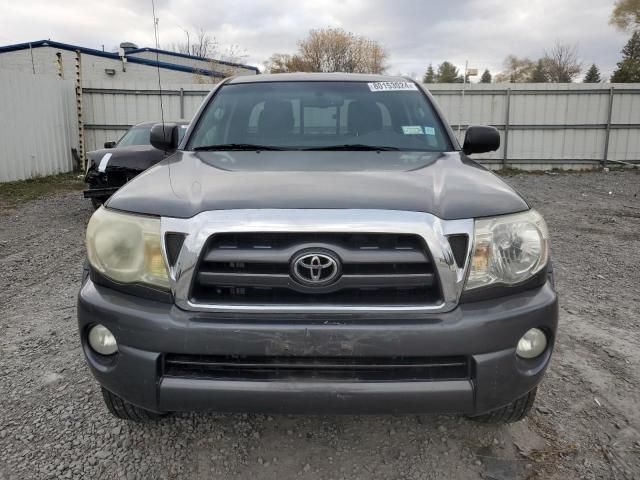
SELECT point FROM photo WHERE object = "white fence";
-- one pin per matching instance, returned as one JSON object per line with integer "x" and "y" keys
{"x": 542, "y": 126}
{"x": 38, "y": 125}
{"x": 109, "y": 112}
{"x": 545, "y": 126}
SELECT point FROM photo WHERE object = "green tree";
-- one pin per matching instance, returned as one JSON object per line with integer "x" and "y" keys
{"x": 429, "y": 75}
{"x": 629, "y": 67}
{"x": 448, "y": 73}
{"x": 626, "y": 15}
{"x": 592, "y": 75}
{"x": 539, "y": 73}
{"x": 486, "y": 76}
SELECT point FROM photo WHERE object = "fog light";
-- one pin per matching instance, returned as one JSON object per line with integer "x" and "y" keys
{"x": 532, "y": 343}
{"x": 102, "y": 340}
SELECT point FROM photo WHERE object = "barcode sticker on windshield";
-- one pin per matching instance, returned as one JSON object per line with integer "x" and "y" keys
{"x": 391, "y": 86}
{"x": 412, "y": 130}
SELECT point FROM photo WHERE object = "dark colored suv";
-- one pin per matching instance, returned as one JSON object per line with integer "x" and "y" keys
{"x": 318, "y": 243}
{"x": 119, "y": 162}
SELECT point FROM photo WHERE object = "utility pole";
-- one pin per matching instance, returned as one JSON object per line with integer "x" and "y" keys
{"x": 468, "y": 72}
{"x": 188, "y": 41}
{"x": 461, "y": 109}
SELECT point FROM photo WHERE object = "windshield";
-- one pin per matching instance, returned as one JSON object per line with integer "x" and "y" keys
{"x": 320, "y": 115}
{"x": 135, "y": 136}
{"x": 140, "y": 136}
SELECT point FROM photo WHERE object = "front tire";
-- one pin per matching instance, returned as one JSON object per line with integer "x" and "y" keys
{"x": 127, "y": 411}
{"x": 96, "y": 202}
{"x": 514, "y": 412}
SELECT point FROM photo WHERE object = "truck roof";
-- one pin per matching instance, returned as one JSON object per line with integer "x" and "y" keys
{"x": 316, "y": 77}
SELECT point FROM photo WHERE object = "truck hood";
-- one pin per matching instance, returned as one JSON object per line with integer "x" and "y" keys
{"x": 448, "y": 185}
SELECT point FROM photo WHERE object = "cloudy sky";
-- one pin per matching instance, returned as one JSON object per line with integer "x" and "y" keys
{"x": 415, "y": 32}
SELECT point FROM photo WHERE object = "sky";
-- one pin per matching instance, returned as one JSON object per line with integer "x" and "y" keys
{"x": 415, "y": 33}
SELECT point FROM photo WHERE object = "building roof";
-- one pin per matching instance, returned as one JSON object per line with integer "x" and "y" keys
{"x": 130, "y": 59}
{"x": 193, "y": 57}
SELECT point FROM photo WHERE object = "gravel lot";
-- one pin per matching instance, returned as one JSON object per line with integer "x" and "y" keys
{"x": 586, "y": 425}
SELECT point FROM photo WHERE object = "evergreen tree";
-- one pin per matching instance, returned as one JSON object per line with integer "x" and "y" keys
{"x": 629, "y": 67}
{"x": 486, "y": 76}
{"x": 539, "y": 73}
{"x": 592, "y": 75}
{"x": 429, "y": 76}
{"x": 448, "y": 73}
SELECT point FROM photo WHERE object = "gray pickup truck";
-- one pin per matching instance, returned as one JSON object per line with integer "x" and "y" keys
{"x": 318, "y": 243}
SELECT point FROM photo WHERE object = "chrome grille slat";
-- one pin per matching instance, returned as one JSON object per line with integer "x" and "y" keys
{"x": 283, "y": 255}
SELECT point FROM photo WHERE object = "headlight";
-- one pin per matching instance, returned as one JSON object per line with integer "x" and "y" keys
{"x": 508, "y": 249}
{"x": 126, "y": 248}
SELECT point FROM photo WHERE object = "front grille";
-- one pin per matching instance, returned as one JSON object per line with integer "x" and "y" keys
{"x": 352, "y": 369}
{"x": 255, "y": 269}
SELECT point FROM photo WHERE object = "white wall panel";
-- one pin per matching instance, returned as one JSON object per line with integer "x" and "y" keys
{"x": 37, "y": 125}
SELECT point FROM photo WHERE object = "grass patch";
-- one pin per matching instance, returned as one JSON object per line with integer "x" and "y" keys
{"x": 13, "y": 194}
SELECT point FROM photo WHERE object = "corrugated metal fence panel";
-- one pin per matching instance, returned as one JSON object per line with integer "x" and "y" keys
{"x": 563, "y": 124}
{"x": 109, "y": 110}
{"x": 624, "y": 143}
{"x": 38, "y": 126}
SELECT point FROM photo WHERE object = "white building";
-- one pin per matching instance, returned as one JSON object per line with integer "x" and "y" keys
{"x": 129, "y": 64}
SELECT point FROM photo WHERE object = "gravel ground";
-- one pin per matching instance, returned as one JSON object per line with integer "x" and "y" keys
{"x": 586, "y": 423}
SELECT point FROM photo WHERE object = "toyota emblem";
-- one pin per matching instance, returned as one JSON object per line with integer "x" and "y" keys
{"x": 315, "y": 269}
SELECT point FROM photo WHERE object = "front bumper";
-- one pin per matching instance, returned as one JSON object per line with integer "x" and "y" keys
{"x": 486, "y": 332}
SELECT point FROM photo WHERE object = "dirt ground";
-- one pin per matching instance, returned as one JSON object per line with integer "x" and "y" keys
{"x": 586, "y": 423}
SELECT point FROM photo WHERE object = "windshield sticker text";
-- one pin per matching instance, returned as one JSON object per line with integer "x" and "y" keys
{"x": 429, "y": 130}
{"x": 391, "y": 86}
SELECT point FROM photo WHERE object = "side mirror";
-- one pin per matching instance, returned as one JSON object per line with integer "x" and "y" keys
{"x": 481, "y": 139}
{"x": 165, "y": 136}
{"x": 109, "y": 144}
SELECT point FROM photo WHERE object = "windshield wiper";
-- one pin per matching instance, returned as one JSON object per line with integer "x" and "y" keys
{"x": 236, "y": 146}
{"x": 355, "y": 147}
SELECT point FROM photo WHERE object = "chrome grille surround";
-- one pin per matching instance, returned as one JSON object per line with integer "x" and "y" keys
{"x": 432, "y": 229}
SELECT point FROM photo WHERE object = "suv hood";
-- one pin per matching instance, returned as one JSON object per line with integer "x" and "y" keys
{"x": 448, "y": 185}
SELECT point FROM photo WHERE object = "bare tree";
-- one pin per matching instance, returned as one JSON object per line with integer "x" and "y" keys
{"x": 204, "y": 45}
{"x": 517, "y": 70}
{"x": 562, "y": 63}
{"x": 278, "y": 63}
{"x": 332, "y": 50}
{"x": 200, "y": 44}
